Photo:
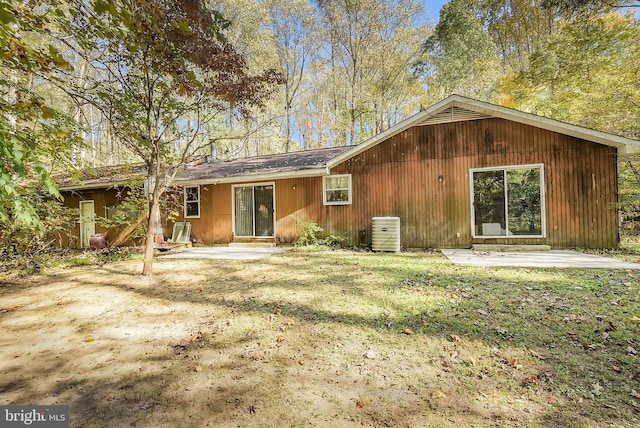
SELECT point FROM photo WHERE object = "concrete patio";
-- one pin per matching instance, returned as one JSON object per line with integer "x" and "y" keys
{"x": 541, "y": 259}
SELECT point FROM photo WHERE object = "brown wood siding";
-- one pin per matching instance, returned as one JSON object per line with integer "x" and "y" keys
{"x": 215, "y": 224}
{"x": 401, "y": 177}
{"x": 100, "y": 198}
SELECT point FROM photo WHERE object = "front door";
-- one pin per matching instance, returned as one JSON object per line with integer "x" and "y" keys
{"x": 87, "y": 222}
{"x": 254, "y": 211}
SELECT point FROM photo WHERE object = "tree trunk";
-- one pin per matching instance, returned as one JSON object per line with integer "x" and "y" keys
{"x": 152, "y": 216}
{"x": 147, "y": 268}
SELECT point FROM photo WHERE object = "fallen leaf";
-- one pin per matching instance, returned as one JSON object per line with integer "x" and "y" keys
{"x": 582, "y": 318}
{"x": 455, "y": 338}
{"x": 483, "y": 313}
{"x": 635, "y": 393}
{"x": 363, "y": 402}
{"x": 280, "y": 339}
{"x": 635, "y": 319}
{"x": 470, "y": 361}
{"x": 537, "y": 354}
{"x": 617, "y": 369}
{"x": 438, "y": 395}
{"x": 502, "y": 331}
{"x": 513, "y": 362}
{"x": 252, "y": 409}
{"x": 531, "y": 380}
{"x": 148, "y": 404}
{"x": 596, "y": 389}
{"x": 407, "y": 331}
{"x": 612, "y": 326}
{"x": 632, "y": 350}
{"x": 455, "y": 354}
{"x": 198, "y": 368}
{"x": 89, "y": 339}
{"x": 371, "y": 354}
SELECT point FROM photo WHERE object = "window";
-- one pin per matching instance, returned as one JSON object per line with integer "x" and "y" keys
{"x": 336, "y": 189}
{"x": 192, "y": 202}
{"x": 508, "y": 202}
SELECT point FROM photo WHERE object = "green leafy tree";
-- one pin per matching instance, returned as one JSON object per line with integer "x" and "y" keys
{"x": 164, "y": 73}
{"x": 294, "y": 31}
{"x": 461, "y": 55}
{"x": 33, "y": 133}
{"x": 370, "y": 47}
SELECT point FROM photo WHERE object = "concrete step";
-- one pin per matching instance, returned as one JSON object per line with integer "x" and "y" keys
{"x": 514, "y": 247}
{"x": 252, "y": 244}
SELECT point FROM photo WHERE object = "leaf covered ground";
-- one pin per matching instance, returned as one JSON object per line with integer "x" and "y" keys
{"x": 308, "y": 338}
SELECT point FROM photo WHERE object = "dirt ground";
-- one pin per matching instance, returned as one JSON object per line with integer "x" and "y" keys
{"x": 273, "y": 342}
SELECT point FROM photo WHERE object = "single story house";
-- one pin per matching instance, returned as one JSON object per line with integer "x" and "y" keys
{"x": 459, "y": 173}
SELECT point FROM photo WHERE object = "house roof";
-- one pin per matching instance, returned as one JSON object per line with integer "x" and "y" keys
{"x": 457, "y": 108}
{"x": 101, "y": 177}
{"x": 305, "y": 163}
{"x": 319, "y": 162}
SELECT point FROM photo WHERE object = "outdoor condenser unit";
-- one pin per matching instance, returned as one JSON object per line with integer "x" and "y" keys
{"x": 385, "y": 234}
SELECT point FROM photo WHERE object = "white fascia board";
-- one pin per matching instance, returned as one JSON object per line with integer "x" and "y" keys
{"x": 623, "y": 144}
{"x": 318, "y": 172}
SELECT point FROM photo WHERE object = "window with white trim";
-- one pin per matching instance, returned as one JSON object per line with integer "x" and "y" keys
{"x": 192, "y": 202}
{"x": 336, "y": 189}
{"x": 508, "y": 202}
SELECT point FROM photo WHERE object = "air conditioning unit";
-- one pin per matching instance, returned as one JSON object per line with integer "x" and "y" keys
{"x": 385, "y": 234}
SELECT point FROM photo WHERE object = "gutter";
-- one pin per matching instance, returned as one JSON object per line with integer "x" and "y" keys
{"x": 317, "y": 172}
{"x": 92, "y": 186}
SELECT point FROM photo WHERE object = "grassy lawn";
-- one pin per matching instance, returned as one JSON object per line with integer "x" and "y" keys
{"x": 337, "y": 338}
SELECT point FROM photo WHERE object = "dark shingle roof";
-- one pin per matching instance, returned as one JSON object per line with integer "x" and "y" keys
{"x": 260, "y": 165}
{"x": 242, "y": 168}
{"x": 101, "y": 177}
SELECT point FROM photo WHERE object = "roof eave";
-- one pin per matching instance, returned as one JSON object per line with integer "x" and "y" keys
{"x": 93, "y": 186}
{"x": 623, "y": 144}
{"x": 251, "y": 178}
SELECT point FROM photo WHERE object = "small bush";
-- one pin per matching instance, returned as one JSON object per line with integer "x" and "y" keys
{"x": 309, "y": 236}
{"x": 54, "y": 225}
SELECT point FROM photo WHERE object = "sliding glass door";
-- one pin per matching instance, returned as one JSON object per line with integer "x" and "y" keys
{"x": 508, "y": 202}
{"x": 253, "y": 210}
